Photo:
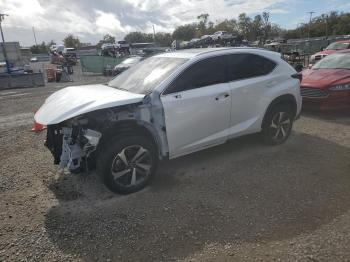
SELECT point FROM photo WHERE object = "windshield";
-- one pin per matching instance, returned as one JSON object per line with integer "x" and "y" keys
{"x": 335, "y": 61}
{"x": 338, "y": 46}
{"x": 146, "y": 75}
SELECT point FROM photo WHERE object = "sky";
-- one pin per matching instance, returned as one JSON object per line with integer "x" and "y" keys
{"x": 91, "y": 19}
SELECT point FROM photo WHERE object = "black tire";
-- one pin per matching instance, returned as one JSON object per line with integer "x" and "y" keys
{"x": 110, "y": 165}
{"x": 278, "y": 124}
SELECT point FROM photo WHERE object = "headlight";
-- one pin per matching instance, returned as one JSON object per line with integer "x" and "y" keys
{"x": 340, "y": 87}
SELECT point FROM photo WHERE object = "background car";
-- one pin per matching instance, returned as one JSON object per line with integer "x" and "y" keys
{"x": 221, "y": 35}
{"x": 332, "y": 48}
{"x": 327, "y": 84}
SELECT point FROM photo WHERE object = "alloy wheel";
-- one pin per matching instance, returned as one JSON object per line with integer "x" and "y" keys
{"x": 281, "y": 125}
{"x": 131, "y": 166}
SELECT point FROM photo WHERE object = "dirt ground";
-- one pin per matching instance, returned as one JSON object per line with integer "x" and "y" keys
{"x": 242, "y": 201}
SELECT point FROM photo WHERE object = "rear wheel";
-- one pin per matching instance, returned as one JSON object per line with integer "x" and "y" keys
{"x": 128, "y": 164}
{"x": 278, "y": 125}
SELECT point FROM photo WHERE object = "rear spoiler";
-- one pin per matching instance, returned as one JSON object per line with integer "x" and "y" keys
{"x": 298, "y": 76}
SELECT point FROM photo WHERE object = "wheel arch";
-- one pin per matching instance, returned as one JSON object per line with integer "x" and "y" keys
{"x": 129, "y": 127}
{"x": 287, "y": 99}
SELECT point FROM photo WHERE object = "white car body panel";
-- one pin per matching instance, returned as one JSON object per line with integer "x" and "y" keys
{"x": 249, "y": 100}
{"x": 76, "y": 100}
{"x": 197, "y": 118}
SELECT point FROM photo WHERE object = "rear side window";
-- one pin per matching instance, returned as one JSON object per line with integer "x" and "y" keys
{"x": 241, "y": 66}
{"x": 207, "y": 72}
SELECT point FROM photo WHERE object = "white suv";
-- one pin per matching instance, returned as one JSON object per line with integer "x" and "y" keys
{"x": 170, "y": 105}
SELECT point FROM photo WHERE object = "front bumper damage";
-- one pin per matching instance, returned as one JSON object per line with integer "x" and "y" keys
{"x": 72, "y": 146}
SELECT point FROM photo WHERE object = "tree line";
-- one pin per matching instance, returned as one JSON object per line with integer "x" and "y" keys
{"x": 258, "y": 28}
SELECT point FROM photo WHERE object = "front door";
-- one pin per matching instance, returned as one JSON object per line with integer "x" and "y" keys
{"x": 197, "y": 107}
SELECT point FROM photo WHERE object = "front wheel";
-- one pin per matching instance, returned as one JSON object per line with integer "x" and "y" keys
{"x": 278, "y": 124}
{"x": 127, "y": 164}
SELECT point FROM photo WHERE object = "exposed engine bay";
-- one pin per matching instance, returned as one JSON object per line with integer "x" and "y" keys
{"x": 72, "y": 146}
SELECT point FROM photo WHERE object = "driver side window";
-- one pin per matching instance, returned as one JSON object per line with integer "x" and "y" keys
{"x": 207, "y": 72}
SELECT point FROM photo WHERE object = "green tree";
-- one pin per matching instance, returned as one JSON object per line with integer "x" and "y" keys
{"x": 244, "y": 25}
{"x": 185, "y": 32}
{"x": 138, "y": 37}
{"x": 202, "y": 24}
{"x": 227, "y": 25}
{"x": 72, "y": 41}
{"x": 107, "y": 39}
{"x": 163, "y": 39}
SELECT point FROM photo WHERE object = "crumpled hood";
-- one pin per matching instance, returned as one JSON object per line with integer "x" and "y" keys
{"x": 76, "y": 100}
{"x": 323, "y": 78}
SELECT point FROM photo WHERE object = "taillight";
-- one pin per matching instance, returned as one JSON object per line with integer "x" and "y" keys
{"x": 298, "y": 76}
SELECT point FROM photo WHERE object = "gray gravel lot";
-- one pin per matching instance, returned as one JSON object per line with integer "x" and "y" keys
{"x": 242, "y": 201}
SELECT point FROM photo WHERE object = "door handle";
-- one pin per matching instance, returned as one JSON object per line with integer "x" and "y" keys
{"x": 178, "y": 96}
{"x": 222, "y": 96}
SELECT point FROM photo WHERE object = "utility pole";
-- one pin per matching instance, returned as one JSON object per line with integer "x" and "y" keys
{"x": 34, "y": 36}
{"x": 327, "y": 26}
{"x": 154, "y": 34}
{"x": 2, "y": 17}
{"x": 310, "y": 22}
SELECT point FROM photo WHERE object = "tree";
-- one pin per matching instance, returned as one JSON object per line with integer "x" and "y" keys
{"x": 138, "y": 37}
{"x": 244, "y": 25}
{"x": 72, "y": 41}
{"x": 42, "y": 48}
{"x": 202, "y": 24}
{"x": 266, "y": 25}
{"x": 163, "y": 39}
{"x": 107, "y": 39}
{"x": 227, "y": 25}
{"x": 185, "y": 32}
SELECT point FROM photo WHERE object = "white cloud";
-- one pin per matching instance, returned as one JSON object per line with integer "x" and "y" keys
{"x": 91, "y": 19}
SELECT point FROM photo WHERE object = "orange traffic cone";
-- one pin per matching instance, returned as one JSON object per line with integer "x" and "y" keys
{"x": 38, "y": 127}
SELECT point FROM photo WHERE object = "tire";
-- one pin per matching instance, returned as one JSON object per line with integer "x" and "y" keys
{"x": 277, "y": 125}
{"x": 122, "y": 170}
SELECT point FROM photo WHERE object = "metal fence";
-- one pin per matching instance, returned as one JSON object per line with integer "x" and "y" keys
{"x": 96, "y": 64}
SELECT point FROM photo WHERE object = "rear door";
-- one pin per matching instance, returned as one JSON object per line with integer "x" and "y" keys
{"x": 197, "y": 107}
{"x": 250, "y": 82}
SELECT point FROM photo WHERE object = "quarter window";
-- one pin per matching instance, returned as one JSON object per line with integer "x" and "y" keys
{"x": 207, "y": 72}
{"x": 241, "y": 66}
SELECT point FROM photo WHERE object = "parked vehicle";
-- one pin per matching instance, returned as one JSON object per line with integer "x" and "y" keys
{"x": 126, "y": 64}
{"x": 331, "y": 49}
{"x": 34, "y": 59}
{"x": 221, "y": 35}
{"x": 327, "y": 84}
{"x": 167, "y": 106}
{"x": 70, "y": 55}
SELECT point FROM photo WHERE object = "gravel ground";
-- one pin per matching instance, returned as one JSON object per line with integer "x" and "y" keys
{"x": 242, "y": 201}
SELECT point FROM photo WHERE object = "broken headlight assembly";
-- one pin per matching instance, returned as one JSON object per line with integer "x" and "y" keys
{"x": 72, "y": 143}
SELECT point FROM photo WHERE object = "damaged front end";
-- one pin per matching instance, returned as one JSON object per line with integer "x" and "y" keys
{"x": 72, "y": 144}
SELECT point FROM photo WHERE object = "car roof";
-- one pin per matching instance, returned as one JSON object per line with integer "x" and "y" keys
{"x": 196, "y": 52}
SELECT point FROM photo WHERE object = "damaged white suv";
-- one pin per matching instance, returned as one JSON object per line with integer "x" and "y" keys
{"x": 167, "y": 106}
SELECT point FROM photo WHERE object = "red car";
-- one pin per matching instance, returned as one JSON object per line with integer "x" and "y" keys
{"x": 331, "y": 49}
{"x": 327, "y": 84}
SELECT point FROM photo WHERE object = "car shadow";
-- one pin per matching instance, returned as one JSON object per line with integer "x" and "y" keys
{"x": 242, "y": 191}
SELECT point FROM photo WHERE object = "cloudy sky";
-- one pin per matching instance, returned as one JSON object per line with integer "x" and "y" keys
{"x": 91, "y": 19}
